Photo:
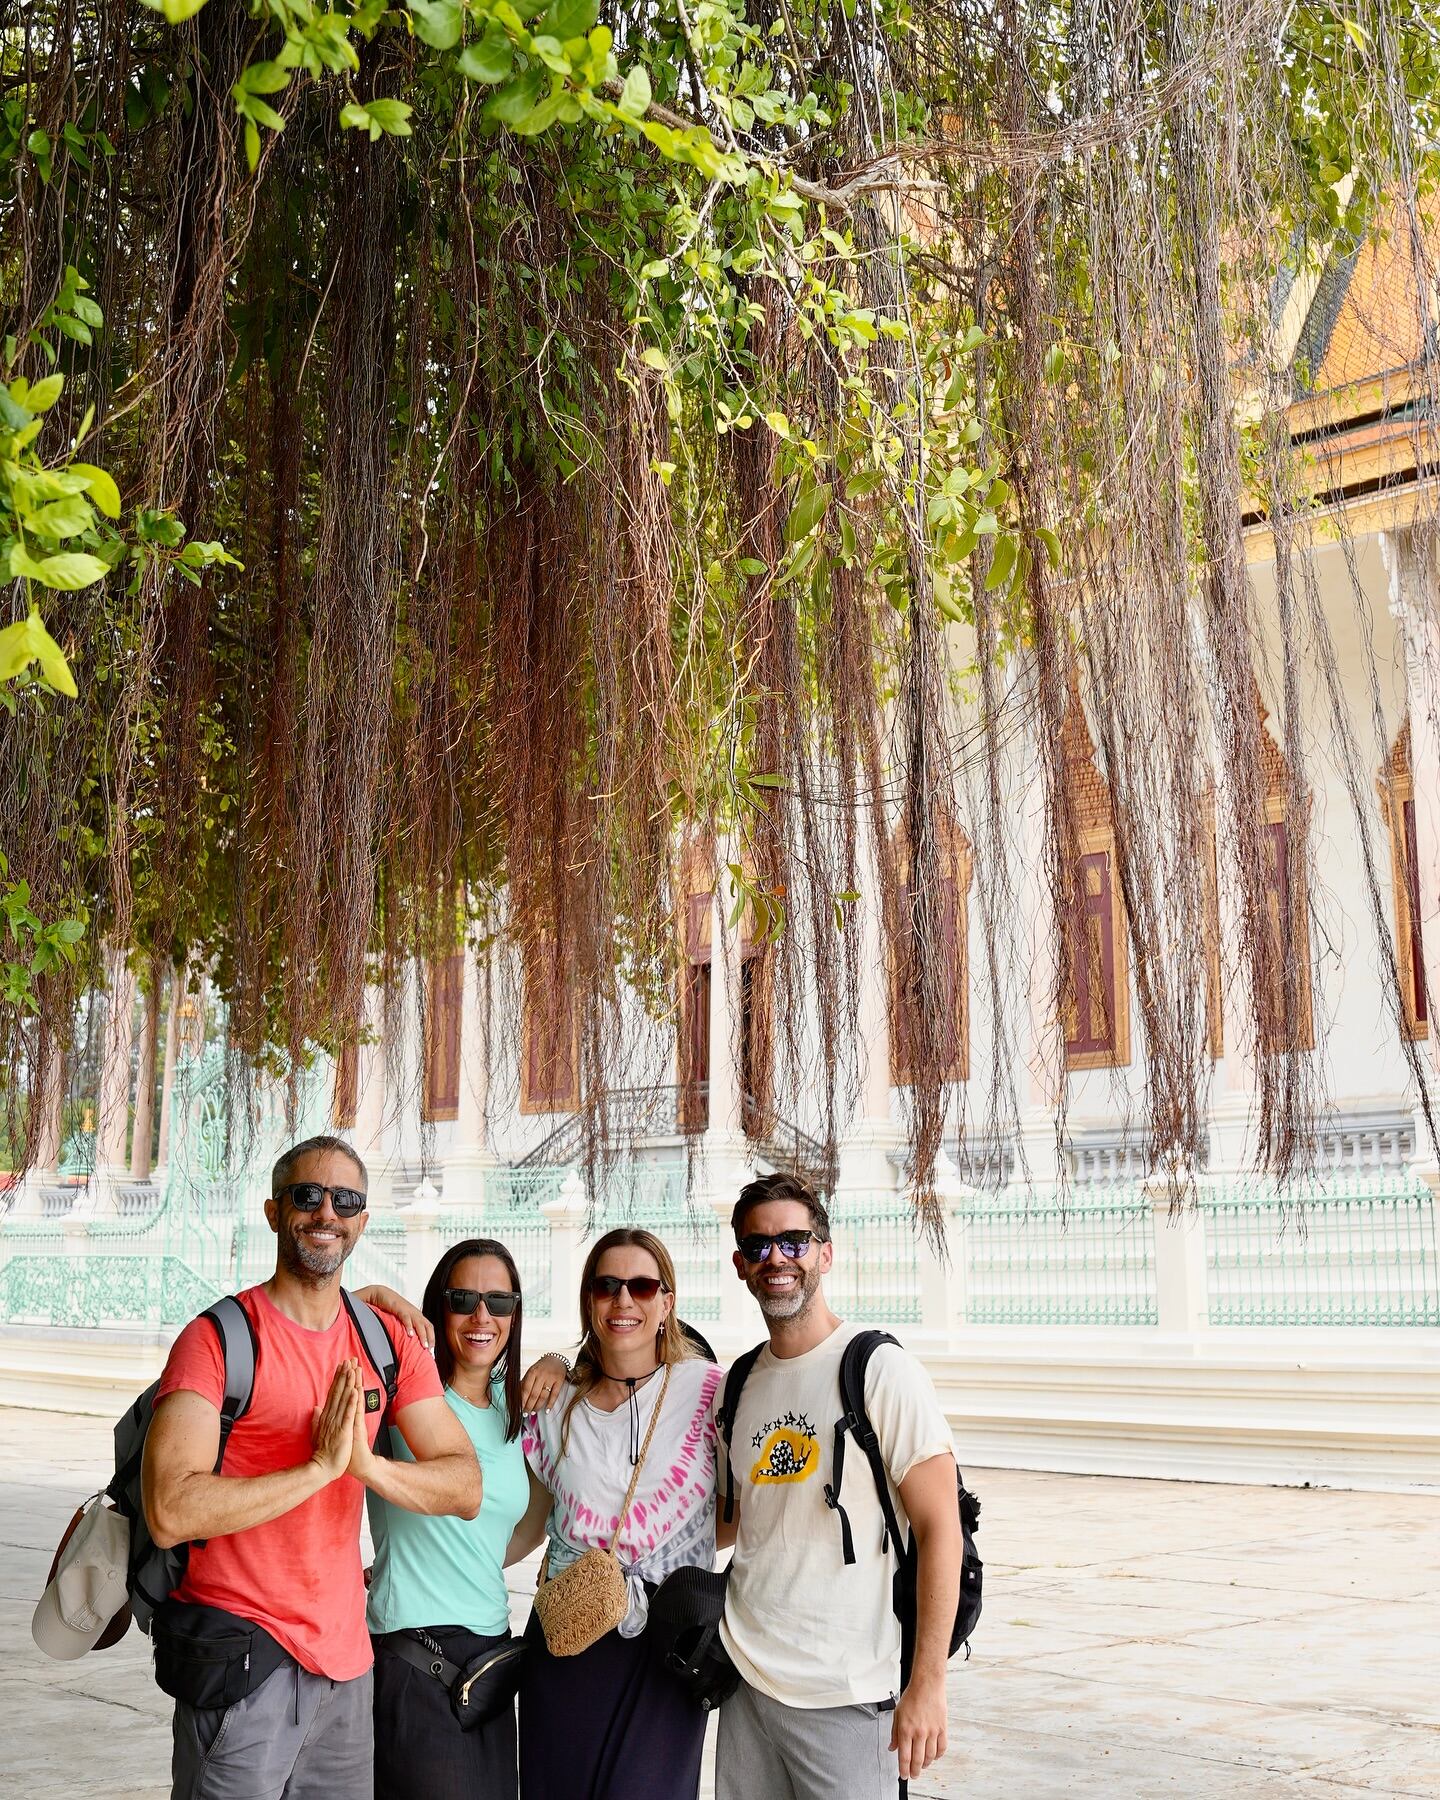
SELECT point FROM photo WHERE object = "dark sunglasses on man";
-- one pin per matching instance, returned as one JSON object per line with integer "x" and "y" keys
{"x": 464, "y": 1301}
{"x": 755, "y": 1246}
{"x": 309, "y": 1196}
{"x": 640, "y": 1287}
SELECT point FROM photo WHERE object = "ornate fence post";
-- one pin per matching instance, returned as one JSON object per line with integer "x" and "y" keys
{"x": 1182, "y": 1299}
{"x": 423, "y": 1238}
{"x": 565, "y": 1215}
{"x": 943, "y": 1269}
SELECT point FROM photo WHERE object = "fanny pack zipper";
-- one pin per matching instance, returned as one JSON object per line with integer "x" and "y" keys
{"x": 484, "y": 1669}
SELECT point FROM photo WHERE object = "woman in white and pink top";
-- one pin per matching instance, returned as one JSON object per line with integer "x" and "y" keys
{"x": 588, "y": 1723}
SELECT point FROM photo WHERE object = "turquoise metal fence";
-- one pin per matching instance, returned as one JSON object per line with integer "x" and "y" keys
{"x": 1087, "y": 1262}
{"x": 876, "y": 1276}
{"x": 1357, "y": 1252}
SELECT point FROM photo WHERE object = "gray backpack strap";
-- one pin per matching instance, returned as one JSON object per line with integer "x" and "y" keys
{"x": 240, "y": 1349}
{"x": 376, "y": 1340}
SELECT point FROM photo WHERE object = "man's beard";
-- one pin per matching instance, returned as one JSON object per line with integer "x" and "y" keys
{"x": 309, "y": 1263}
{"x": 793, "y": 1305}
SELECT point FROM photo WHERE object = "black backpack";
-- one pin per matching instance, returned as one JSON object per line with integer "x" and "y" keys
{"x": 854, "y": 1422}
{"x": 154, "y": 1573}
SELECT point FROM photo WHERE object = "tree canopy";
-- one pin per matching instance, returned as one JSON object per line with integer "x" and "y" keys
{"x": 541, "y": 434}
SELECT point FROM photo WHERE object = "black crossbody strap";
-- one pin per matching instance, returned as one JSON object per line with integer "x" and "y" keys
{"x": 426, "y": 1656}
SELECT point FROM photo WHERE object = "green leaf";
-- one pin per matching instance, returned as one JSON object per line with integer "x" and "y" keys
{"x": 437, "y": 22}
{"x": 635, "y": 97}
{"x": 807, "y": 512}
{"x": 541, "y": 116}
{"x": 568, "y": 19}
{"x": 69, "y": 570}
{"x": 45, "y": 393}
{"x": 1356, "y": 34}
{"x": 176, "y": 11}
{"x": 264, "y": 78}
{"x": 517, "y": 98}
{"x": 1002, "y": 564}
{"x": 62, "y": 518}
{"x": 377, "y": 116}
{"x": 102, "y": 488}
{"x": 490, "y": 60}
{"x": 1051, "y": 542}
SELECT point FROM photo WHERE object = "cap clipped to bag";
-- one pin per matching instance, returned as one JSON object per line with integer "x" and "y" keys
{"x": 86, "y": 1604}
{"x": 684, "y": 1626}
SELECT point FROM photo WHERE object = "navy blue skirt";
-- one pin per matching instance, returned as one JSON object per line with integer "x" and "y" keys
{"x": 608, "y": 1724}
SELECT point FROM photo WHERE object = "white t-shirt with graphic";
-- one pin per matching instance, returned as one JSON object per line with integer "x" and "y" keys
{"x": 801, "y": 1626}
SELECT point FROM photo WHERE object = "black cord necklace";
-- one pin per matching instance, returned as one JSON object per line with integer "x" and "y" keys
{"x": 630, "y": 1383}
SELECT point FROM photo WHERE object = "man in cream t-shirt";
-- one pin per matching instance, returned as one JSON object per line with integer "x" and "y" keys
{"x": 816, "y": 1641}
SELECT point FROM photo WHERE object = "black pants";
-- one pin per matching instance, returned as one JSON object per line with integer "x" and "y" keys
{"x": 609, "y": 1724}
{"x": 420, "y": 1750}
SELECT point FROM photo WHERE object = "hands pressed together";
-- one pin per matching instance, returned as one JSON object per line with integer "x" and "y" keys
{"x": 341, "y": 1442}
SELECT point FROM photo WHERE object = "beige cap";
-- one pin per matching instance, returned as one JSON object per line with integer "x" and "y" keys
{"x": 89, "y": 1585}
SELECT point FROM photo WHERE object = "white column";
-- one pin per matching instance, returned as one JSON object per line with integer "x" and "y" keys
{"x": 145, "y": 1081}
{"x": 462, "y": 1177}
{"x": 47, "y": 1102}
{"x": 726, "y": 1158}
{"x": 565, "y": 1215}
{"x": 1039, "y": 951}
{"x": 372, "y": 1134}
{"x": 1182, "y": 1302}
{"x": 112, "y": 1122}
{"x": 943, "y": 1268}
{"x": 178, "y": 990}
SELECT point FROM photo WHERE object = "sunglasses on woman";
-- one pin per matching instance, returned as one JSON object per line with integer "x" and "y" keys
{"x": 464, "y": 1301}
{"x": 309, "y": 1196}
{"x": 639, "y": 1287}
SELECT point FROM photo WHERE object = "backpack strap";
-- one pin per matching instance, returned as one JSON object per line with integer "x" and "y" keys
{"x": 854, "y": 1422}
{"x": 239, "y": 1350}
{"x": 376, "y": 1339}
{"x": 725, "y": 1420}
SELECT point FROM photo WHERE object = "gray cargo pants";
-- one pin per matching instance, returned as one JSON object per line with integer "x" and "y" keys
{"x": 768, "y": 1751}
{"x": 297, "y": 1737}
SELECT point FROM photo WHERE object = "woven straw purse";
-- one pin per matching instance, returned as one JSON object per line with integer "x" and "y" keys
{"x": 589, "y": 1598}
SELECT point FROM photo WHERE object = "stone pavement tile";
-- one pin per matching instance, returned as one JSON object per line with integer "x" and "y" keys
{"x": 1409, "y": 1764}
{"x": 60, "y": 1745}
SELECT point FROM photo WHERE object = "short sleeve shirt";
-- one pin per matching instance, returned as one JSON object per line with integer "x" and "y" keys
{"x": 671, "y": 1522}
{"x": 299, "y": 1576}
{"x": 445, "y": 1570}
{"x": 801, "y": 1624}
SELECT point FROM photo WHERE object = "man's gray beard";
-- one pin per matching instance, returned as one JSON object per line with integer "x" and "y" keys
{"x": 772, "y": 1306}
{"x": 309, "y": 1264}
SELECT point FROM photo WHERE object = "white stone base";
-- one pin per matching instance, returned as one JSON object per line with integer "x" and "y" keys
{"x": 1356, "y": 1409}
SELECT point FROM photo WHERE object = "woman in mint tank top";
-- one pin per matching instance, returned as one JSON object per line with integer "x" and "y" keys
{"x": 437, "y": 1589}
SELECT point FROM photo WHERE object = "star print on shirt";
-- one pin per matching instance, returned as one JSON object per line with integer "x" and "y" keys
{"x": 788, "y": 1450}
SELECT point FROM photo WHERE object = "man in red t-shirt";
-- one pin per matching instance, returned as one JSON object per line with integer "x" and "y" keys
{"x": 275, "y": 1537}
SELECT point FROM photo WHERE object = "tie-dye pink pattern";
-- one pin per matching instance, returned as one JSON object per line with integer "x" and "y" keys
{"x": 660, "y": 1507}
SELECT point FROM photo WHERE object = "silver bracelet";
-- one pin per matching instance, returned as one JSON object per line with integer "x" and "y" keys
{"x": 564, "y": 1362}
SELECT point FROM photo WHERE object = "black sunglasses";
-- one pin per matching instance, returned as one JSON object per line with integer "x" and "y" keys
{"x": 308, "y": 1196}
{"x": 640, "y": 1287}
{"x": 464, "y": 1301}
{"x": 755, "y": 1246}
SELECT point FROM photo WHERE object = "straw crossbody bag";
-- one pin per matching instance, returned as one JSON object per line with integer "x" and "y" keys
{"x": 589, "y": 1598}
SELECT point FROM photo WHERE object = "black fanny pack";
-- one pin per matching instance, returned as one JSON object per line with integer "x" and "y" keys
{"x": 481, "y": 1689}
{"x": 209, "y": 1658}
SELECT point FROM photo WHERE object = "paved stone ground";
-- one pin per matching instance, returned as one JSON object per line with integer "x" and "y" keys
{"x": 1140, "y": 1639}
